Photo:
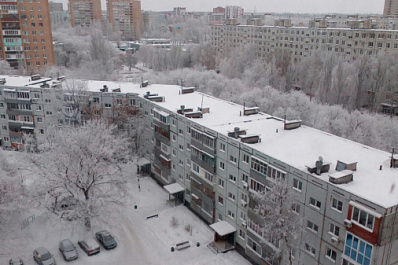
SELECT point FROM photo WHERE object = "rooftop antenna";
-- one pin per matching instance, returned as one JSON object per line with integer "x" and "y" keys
{"x": 201, "y": 104}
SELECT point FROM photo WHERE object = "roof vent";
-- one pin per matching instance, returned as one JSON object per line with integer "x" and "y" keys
{"x": 194, "y": 115}
{"x": 290, "y": 125}
{"x": 2, "y": 80}
{"x": 341, "y": 177}
{"x": 187, "y": 90}
{"x": 104, "y": 88}
{"x": 116, "y": 90}
{"x": 144, "y": 83}
{"x": 320, "y": 167}
{"x": 250, "y": 139}
{"x": 340, "y": 166}
{"x": 236, "y": 133}
{"x": 204, "y": 110}
{"x": 250, "y": 111}
{"x": 183, "y": 110}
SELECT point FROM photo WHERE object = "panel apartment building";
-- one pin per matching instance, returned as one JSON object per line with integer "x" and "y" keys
{"x": 84, "y": 12}
{"x": 25, "y": 36}
{"x": 303, "y": 41}
{"x": 218, "y": 155}
{"x": 125, "y": 16}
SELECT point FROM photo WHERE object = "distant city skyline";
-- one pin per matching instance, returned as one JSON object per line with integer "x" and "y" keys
{"x": 265, "y": 6}
{"x": 279, "y": 6}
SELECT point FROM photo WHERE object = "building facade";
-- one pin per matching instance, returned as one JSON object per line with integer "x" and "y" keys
{"x": 222, "y": 155}
{"x": 125, "y": 16}
{"x": 390, "y": 8}
{"x": 26, "y": 37}
{"x": 84, "y": 12}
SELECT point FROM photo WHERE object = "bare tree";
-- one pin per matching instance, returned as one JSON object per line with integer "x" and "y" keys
{"x": 130, "y": 60}
{"x": 281, "y": 225}
{"x": 78, "y": 170}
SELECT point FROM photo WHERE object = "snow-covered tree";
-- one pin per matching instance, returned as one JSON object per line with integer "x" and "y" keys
{"x": 78, "y": 170}
{"x": 281, "y": 225}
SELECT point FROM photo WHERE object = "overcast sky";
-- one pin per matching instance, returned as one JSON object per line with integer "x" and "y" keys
{"x": 280, "y": 6}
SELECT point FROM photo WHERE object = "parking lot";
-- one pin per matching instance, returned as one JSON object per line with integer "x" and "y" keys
{"x": 140, "y": 241}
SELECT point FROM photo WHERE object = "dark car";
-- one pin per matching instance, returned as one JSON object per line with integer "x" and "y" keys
{"x": 89, "y": 245}
{"x": 15, "y": 261}
{"x": 43, "y": 257}
{"x": 68, "y": 250}
{"x": 106, "y": 239}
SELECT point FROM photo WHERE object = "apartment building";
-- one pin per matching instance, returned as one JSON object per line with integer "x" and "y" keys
{"x": 26, "y": 37}
{"x": 390, "y": 8}
{"x": 218, "y": 156}
{"x": 84, "y": 12}
{"x": 125, "y": 16}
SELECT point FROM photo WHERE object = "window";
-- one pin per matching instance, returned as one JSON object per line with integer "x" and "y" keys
{"x": 231, "y": 196}
{"x": 174, "y": 166}
{"x": 231, "y": 214}
{"x": 221, "y": 183}
{"x": 259, "y": 166}
{"x": 242, "y": 234}
{"x": 195, "y": 167}
{"x": 188, "y": 162}
{"x": 310, "y": 249}
{"x": 49, "y": 113}
{"x": 108, "y": 105}
{"x": 209, "y": 176}
{"x": 180, "y": 162}
{"x": 180, "y": 146}
{"x": 208, "y": 141}
{"x": 41, "y": 131}
{"x": 174, "y": 152}
{"x": 3, "y": 116}
{"x": 232, "y": 178}
{"x": 334, "y": 229}
{"x": 180, "y": 131}
{"x": 256, "y": 186}
{"x": 4, "y": 127}
{"x": 188, "y": 177}
{"x": 232, "y": 159}
{"x": 188, "y": 147}
{"x": 222, "y": 165}
{"x": 337, "y": 205}
{"x": 245, "y": 178}
{"x": 296, "y": 208}
{"x": 1, "y": 105}
{"x": 6, "y": 139}
{"x": 246, "y": 158}
{"x": 297, "y": 185}
{"x": 357, "y": 250}
{"x": 315, "y": 203}
{"x": 243, "y": 216}
{"x": 39, "y": 119}
{"x": 222, "y": 147}
{"x": 188, "y": 129}
{"x": 313, "y": 227}
{"x": 331, "y": 254}
{"x": 174, "y": 137}
{"x": 363, "y": 218}
{"x": 220, "y": 200}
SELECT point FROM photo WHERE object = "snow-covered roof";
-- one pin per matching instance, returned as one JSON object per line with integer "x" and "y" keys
{"x": 297, "y": 148}
{"x": 174, "y": 188}
{"x": 223, "y": 228}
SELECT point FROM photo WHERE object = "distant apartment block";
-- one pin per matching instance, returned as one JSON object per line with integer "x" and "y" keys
{"x": 26, "y": 37}
{"x": 84, "y": 12}
{"x": 233, "y": 12}
{"x": 390, "y": 8}
{"x": 55, "y": 7}
{"x": 216, "y": 157}
{"x": 179, "y": 11}
{"x": 125, "y": 16}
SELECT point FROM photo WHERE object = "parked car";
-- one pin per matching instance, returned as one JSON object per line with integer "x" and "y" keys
{"x": 106, "y": 239}
{"x": 43, "y": 257}
{"x": 68, "y": 250}
{"x": 15, "y": 261}
{"x": 89, "y": 245}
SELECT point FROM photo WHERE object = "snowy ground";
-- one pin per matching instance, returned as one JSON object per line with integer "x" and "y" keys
{"x": 140, "y": 241}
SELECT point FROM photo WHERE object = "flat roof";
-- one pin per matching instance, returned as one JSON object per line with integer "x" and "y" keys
{"x": 223, "y": 228}
{"x": 298, "y": 147}
{"x": 174, "y": 188}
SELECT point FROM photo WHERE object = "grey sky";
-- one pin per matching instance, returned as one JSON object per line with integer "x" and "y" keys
{"x": 291, "y": 6}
